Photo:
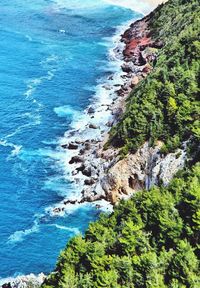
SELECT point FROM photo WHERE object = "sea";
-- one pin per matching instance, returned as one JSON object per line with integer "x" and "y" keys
{"x": 54, "y": 54}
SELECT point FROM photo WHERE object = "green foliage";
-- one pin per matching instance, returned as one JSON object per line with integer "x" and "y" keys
{"x": 165, "y": 105}
{"x": 151, "y": 240}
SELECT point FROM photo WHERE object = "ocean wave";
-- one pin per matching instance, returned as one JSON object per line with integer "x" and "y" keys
{"x": 20, "y": 280}
{"x": 104, "y": 93}
{"x": 15, "y": 148}
{"x": 36, "y": 120}
{"x": 77, "y": 5}
{"x": 143, "y": 7}
{"x": 20, "y": 235}
{"x": 67, "y": 111}
{"x": 75, "y": 231}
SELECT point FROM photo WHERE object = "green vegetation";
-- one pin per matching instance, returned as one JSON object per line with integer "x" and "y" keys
{"x": 165, "y": 105}
{"x": 152, "y": 240}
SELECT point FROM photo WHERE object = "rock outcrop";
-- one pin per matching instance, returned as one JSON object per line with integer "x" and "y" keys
{"x": 28, "y": 281}
{"x": 101, "y": 174}
{"x": 142, "y": 170}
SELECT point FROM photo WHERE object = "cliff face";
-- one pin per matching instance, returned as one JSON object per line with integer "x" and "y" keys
{"x": 151, "y": 240}
{"x": 155, "y": 102}
{"x": 142, "y": 170}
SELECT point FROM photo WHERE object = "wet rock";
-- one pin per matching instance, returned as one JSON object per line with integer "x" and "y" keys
{"x": 81, "y": 168}
{"x": 109, "y": 123}
{"x": 120, "y": 92}
{"x": 107, "y": 87}
{"x": 117, "y": 112}
{"x": 72, "y": 146}
{"x": 82, "y": 152}
{"x": 126, "y": 68}
{"x": 93, "y": 126}
{"x": 74, "y": 173}
{"x": 76, "y": 159}
{"x": 87, "y": 172}
{"x": 7, "y": 285}
{"x": 87, "y": 146}
{"x": 89, "y": 182}
{"x": 91, "y": 110}
{"x": 70, "y": 202}
{"x": 57, "y": 210}
{"x": 64, "y": 146}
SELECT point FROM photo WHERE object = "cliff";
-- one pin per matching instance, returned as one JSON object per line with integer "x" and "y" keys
{"x": 157, "y": 107}
{"x": 152, "y": 239}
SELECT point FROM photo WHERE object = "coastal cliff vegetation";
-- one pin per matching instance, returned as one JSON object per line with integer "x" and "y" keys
{"x": 165, "y": 105}
{"x": 153, "y": 239}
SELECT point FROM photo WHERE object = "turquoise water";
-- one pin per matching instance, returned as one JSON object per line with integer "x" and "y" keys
{"x": 52, "y": 56}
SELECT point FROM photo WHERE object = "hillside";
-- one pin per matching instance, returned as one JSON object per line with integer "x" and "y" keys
{"x": 165, "y": 105}
{"x": 153, "y": 239}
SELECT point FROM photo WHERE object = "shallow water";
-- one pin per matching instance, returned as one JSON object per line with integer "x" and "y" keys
{"x": 53, "y": 56}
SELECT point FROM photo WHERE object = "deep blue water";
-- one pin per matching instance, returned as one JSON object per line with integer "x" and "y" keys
{"x": 52, "y": 55}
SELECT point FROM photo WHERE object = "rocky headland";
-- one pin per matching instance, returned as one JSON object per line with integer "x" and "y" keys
{"x": 101, "y": 173}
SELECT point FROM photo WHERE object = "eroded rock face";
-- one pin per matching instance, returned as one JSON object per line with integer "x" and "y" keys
{"x": 142, "y": 170}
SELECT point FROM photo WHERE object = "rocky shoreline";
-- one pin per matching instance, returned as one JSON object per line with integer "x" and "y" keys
{"x": 100, "y": 174}
{"x": 90, "y": 163}
{"x": 34, "y": 281}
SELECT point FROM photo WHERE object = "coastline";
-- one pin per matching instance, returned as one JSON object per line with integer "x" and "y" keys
{"x": 84, "y": 147}
{"x": 86, "y": 160}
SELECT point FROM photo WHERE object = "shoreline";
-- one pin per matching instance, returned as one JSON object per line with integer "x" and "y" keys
{"x": 86, "y": 159}
{"x": 89, "y": 162}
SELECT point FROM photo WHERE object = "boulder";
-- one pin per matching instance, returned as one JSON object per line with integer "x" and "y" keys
{"x": 70, "y": 202}
{"x": 89, "y": 182}
{"x": 109, "y": 123}
{"x": 81, "y": 168}
{"x": 7, "y": 285}
{"x": 87, "y": 146}
{"x": 87, "y": 171}
{"x": 91, "y": 110}
{"x": 120, "y": 92}
{"x": 134, "y": 81}
{"x": 72, "y": 146}
{"x": 76, "y": 159}
{"x": 126, "y": 68}
{"x": 93, "y": 126}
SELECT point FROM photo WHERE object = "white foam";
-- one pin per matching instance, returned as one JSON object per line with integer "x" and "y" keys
{"x": 19, "y": 236}
{"x": 69, "y": 229}
{"x": 20, "y": 280}
{"x": 104, "y": 94}
{"x": 15, "y": 148}
{"x": 77, "y": 4}
{"x": 143, "y": 7}
{"x": 67, "y": 110}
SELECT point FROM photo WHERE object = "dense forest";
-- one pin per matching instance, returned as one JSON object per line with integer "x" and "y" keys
{"x": 165, "y": 105}
{"x": 153, "y": 239}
